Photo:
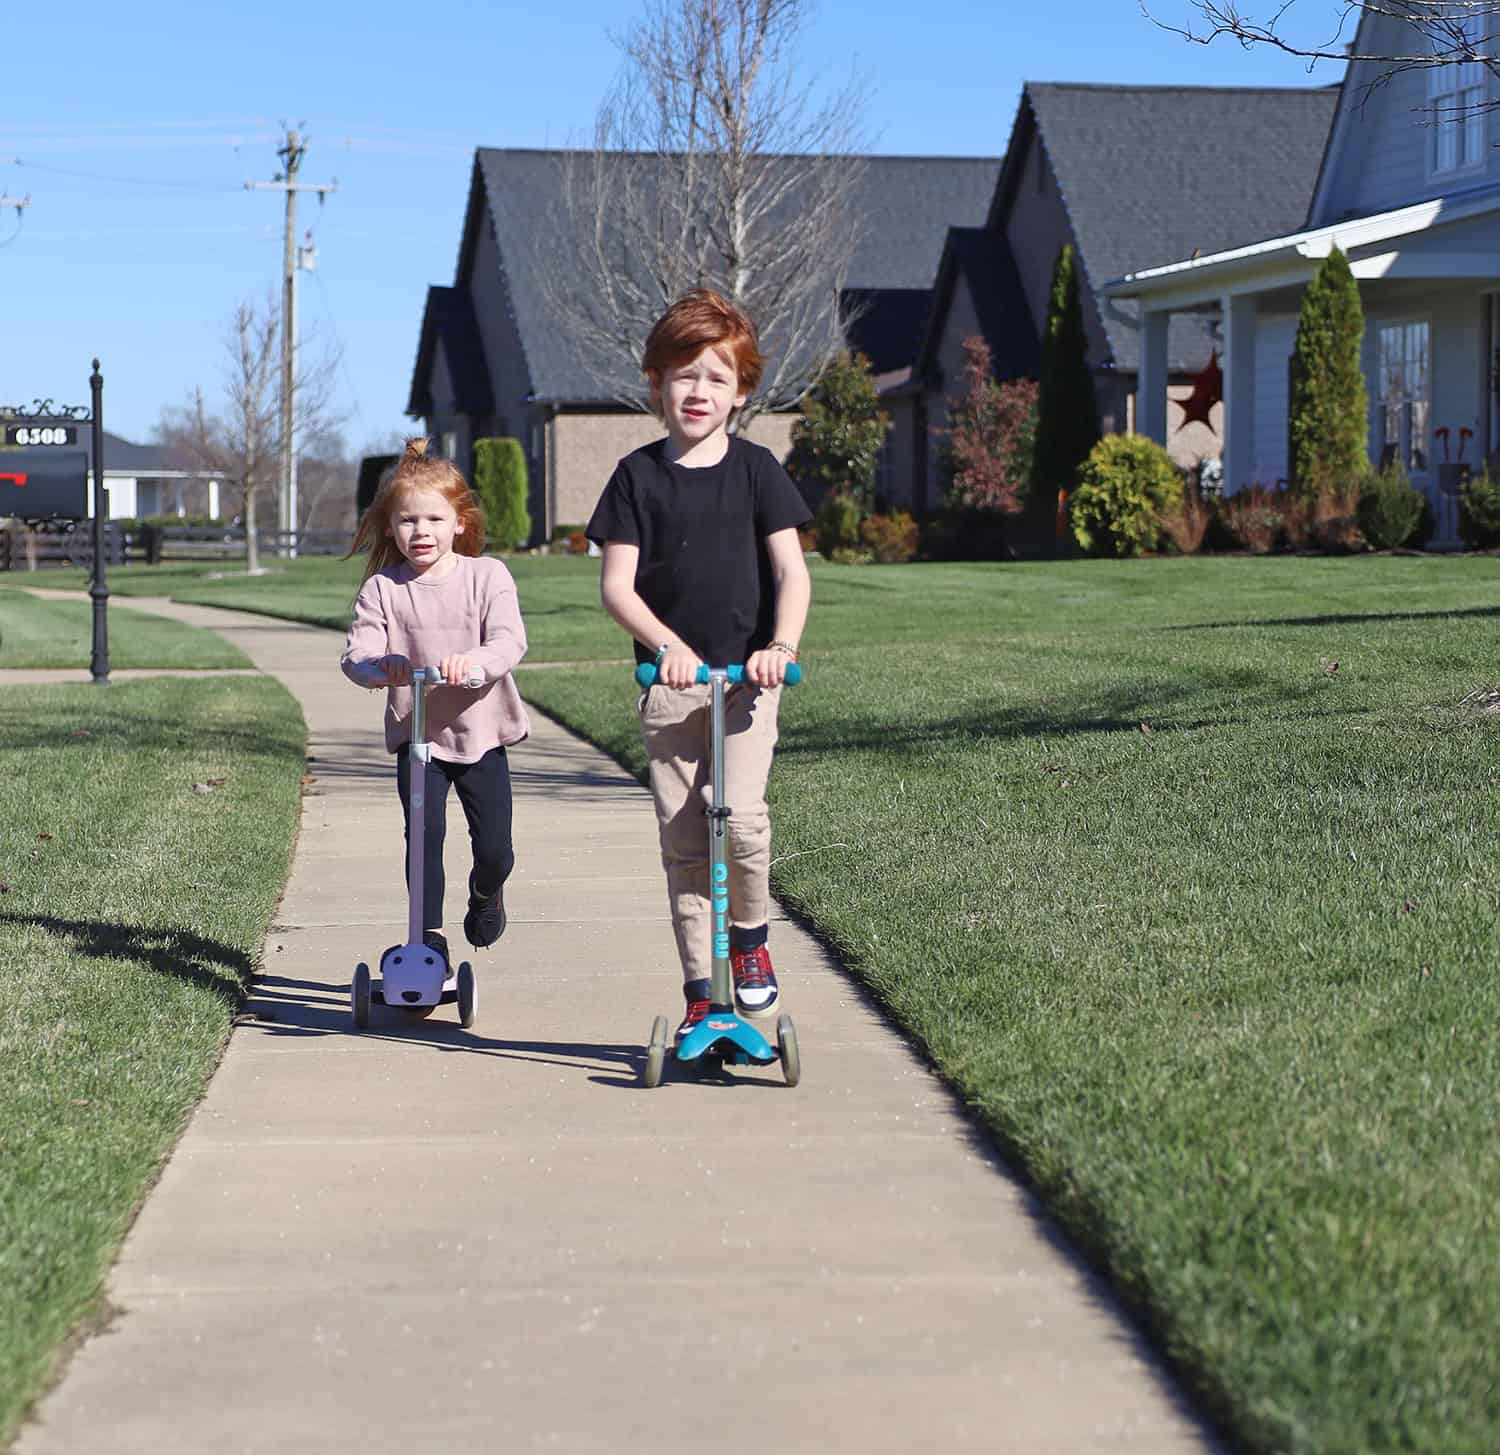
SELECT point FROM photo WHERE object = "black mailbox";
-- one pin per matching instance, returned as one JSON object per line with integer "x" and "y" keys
{"x": 44, "y": 484}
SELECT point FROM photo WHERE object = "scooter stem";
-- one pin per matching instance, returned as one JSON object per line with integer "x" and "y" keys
{"x": 722, "y": 988}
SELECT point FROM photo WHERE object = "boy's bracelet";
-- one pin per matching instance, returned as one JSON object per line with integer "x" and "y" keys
{"x": 786, "y": 647}
{"x": 665, "y": 648}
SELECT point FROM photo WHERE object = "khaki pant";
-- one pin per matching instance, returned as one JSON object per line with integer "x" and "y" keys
{"x": 675, "y": 726}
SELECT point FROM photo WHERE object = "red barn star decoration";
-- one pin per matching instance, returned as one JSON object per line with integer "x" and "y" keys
{"x": 1208, "y": 390}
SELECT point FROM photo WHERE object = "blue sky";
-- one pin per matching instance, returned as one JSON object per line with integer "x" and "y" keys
{"x": 135, "y": 130}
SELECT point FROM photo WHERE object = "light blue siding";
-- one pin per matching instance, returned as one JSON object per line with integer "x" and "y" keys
{"x": 1274, "y": 338}
{"x": 1382, "y": 147}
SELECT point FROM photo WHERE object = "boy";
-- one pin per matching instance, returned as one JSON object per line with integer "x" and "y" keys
{"x": 703, "y": 565}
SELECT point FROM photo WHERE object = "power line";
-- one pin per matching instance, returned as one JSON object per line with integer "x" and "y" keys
{"x": 161, "y": 182}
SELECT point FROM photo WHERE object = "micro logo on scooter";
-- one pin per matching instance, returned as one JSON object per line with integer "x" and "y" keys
{"x": 721, "y": 911}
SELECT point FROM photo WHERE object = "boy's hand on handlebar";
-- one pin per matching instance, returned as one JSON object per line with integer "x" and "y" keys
{"x": 457, "y": 670}
{"x": 767, "y": 668}
{"x": 679, "y": 666}
{"x": 395, "y": 669}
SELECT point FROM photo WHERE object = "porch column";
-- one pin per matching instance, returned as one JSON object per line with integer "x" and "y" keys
{"x": 1239, "y": 312}
{"x": 1151, "y": 375}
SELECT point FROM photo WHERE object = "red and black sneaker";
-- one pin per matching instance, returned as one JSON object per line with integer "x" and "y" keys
{"x": 696, "y": 993}
{"x": 755, "y": 989}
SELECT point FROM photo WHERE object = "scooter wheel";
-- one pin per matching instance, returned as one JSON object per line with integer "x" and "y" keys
{"x": 786, "y": 1046}
{"x": 359, "y": 994}
{"x": 656, "y": 1053}
{"x": 468, "y": 994}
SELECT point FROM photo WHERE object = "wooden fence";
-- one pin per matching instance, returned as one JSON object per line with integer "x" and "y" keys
{"x": 43, "y": 546}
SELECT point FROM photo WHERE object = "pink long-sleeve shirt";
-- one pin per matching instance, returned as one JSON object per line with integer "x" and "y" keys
{"x": 474, "y": 610}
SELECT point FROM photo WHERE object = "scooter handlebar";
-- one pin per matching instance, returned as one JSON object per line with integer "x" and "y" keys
{"x": 432, "y": 677}
{"x": 645, "y": 674}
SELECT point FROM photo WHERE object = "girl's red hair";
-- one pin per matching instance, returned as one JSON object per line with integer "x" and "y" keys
{"x": 698, "y": 320}
{"x": 415, "y": 471}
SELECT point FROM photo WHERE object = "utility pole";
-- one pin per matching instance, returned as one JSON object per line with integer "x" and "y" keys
{"x": 291, "y": 152}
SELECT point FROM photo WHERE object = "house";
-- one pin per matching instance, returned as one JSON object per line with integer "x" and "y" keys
{"x": 142, "y": 480}
{"x": 491, "y": 361}
{"x": 1409, "y": 189}
{"x": 1129, "y": 175}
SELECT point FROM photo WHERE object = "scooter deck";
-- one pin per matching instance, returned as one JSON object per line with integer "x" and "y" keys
{"x": 724, "y": 1036}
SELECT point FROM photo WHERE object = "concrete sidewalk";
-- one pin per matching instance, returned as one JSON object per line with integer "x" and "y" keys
{"x": 426, "y": 1239}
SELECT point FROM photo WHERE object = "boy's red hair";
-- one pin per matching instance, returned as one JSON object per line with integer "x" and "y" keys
{"x": 416, "y": 471}
{"x": 698, "y": 320}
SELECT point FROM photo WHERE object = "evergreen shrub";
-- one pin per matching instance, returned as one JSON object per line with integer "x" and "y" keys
{"x": 1127, "y": 484}
{"x": 501, "y": 485}
{"x": 1391, "y": 509}
{"x": 1479, "y": 512}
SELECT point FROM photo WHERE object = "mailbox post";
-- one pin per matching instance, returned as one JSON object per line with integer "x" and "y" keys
{"x": 44, "y": 476}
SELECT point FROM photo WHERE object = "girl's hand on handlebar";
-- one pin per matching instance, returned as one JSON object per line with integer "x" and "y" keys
{"x": 767, "y": 668}
{"x": 679, "y": 666}
{"x": 395, "y": 669}
{"x": 457, "y": 670}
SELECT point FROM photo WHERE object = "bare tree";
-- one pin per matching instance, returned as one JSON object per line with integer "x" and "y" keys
{"x": 712, "y": 165}
{"x": 1439, "y": 34}
{"x": 241, "y": 440}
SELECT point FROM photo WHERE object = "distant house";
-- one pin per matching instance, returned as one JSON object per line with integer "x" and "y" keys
{"x": 150, "y": 480}
{"x": 1414, "y": 201}
{"x": 490, "y": 360}
{"x": 1130, "y": 175}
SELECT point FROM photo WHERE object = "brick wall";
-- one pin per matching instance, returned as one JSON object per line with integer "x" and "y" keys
{"x": 586, "y": 448}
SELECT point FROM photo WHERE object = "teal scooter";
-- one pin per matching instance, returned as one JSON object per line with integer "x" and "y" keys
{"x": 722, "y": 1038}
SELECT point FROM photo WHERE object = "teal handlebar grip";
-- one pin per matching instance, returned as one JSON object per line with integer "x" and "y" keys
{"x": 645, "y": 674}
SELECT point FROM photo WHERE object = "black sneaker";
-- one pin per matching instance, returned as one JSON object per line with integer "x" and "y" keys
{"x": 696, "y": 993}
{"x": 485, "y": 921}
{"x": 437, "y": 940}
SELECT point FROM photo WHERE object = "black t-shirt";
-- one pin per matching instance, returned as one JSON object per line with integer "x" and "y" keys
{"x": 704, "y": 568}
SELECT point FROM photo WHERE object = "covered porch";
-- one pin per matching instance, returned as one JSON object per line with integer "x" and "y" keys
{"x": 1429, "y": 280}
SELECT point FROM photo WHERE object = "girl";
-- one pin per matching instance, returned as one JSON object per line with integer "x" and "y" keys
{"x": 430, "y": 599}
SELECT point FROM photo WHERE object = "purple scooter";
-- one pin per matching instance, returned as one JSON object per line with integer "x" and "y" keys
{"x": 414, "y": 977}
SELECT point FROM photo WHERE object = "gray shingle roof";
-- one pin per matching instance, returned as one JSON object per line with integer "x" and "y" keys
{"x": 1150, "y": 173}
{"x": 907, "y": 205}
{"x": 983, "y": 259}
{"x": 449, "y": 319}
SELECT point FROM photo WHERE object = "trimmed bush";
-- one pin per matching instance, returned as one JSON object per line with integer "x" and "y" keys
{"x": 1127, "y": 484}
{"x": 1479, "y": 512}
{"x": 890, "y": 538}
{"x": 838, "y": 436}
{"x": 1328, "y": 418}
{"x": 501, "y": 485}
{"x": 1390, "y": 509}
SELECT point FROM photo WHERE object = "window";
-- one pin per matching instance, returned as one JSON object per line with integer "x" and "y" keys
{"x": 1456, "y": 94}
{"x": 1405, "y": 394}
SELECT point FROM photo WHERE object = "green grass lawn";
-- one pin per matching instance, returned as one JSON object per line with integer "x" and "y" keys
{"x": 40, "y": 633}
{"x": 133, "y": 906}
{"x": 1184, "y": 874}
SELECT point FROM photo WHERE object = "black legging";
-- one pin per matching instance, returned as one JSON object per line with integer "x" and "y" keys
{"x": 484, "y": 790}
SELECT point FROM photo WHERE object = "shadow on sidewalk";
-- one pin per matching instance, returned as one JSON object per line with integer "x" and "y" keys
{"x": 282, "y": 1007}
